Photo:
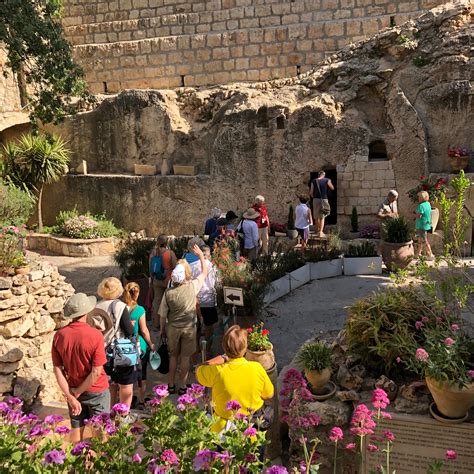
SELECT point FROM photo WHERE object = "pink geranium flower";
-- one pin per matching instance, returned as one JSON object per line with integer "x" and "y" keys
{"x": 451, "y": 454}
{"x": 422, "y": 355}
{"x": 449, "y": 341}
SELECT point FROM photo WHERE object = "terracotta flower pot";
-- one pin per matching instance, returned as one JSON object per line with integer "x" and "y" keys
{"x": 459, "y": 163}
{"x": 451, "y": 401}
{"x": 265, "y": 358}
{"x": 318, "y": 379}
{"x": 22, "y": 270}
{"x": 397, "y": 256}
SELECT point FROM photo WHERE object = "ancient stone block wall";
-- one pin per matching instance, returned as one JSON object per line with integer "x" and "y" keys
{"x": 126, "y": 44}
{"x": 31, "y": 308}
{"x": 9, "y": 94}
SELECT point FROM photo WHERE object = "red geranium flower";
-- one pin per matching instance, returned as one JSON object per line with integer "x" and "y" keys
{"x": 265, "y": 332}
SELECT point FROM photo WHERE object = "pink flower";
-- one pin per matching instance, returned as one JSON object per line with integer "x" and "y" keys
{"x": 424, "y": 319}
{"x": 422, "y": 355}
{"x": 362, "y": 423}
{"x": 136, "y": 458}
{"x": 372, "y": 448}
{"x": 161, "y": 391}
{"x": 336, "y": 434}
{"x": 470, "y": 373}
{"x": 389, "y": 436}
{"x": 398, "y": 360}
{"x": 350, "y": 446}
{"x": 449, "y": 341}
{"x": 454, "y": 327}
{"x": 233, "y": 405}
{"x": 386, "y": 415}
{"x": 250, "y": 431}
{"x": 169, "y": 456}
{"x": 380, "y": 398}
{"x": 451, "y": 454}
{"x": 419, "y": 325}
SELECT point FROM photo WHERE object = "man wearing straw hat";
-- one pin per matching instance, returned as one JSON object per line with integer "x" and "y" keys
{"x": 78, "y": 358}
{"x": 249, "y": 228}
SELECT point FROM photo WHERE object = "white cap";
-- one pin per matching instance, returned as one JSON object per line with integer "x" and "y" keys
{"x": 179, "y": 274}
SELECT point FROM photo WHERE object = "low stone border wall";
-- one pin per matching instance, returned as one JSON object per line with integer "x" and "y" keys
{"x": 72, "y": 247}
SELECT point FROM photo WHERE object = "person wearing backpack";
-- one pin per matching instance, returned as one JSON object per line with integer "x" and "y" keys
{"x": 179, "y": 318}
{"x": 122, "y": 360}
{"x": 138, "y": 317}
{"x": 162, "y": 261}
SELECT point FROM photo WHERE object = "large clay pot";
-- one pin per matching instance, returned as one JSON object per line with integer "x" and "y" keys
{"x": 266, "y": 358}
{"x": 459, "y": 163}
{"x": 397, "y": 256}
{"x": 434, "y": 218}
{"x": 451, "y": 401}
{"x": 318, "y": 379}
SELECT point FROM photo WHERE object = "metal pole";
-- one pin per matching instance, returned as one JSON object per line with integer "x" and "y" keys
{"x": 203, "y": 350}
{"x": 233, "y": 314}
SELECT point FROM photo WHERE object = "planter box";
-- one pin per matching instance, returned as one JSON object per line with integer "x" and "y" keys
{"x": 184, "y": 170}
{"x": 363, "y": 266}
{"x": 277, "y": 289}
{"x": 72, "y": 247}
{"x": 326, "y": 269}
{"x": 144, "y": 170}
{"x": 299, "y": 277}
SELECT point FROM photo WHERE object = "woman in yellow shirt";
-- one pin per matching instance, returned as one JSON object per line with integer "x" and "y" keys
{"x": 231, "y": 377}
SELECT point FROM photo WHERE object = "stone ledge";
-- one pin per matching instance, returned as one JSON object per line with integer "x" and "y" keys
{"x": 72, "y": 247}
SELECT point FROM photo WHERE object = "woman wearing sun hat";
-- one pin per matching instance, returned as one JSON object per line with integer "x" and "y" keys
{"x": 179, "y": 317}
{"x": 249, "y": 228}
{"x": 121, "y": 379}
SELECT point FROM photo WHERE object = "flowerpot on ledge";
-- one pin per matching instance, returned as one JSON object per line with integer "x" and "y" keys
{"x": 265, "y": 358}
{"x": 22, "y": 270}
{"x": 459, "y": 163}
{"x": 451, "y": 401}
{"x": 318, "y": 379}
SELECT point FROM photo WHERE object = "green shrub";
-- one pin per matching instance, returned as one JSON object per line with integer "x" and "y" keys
{"x": 365, "y": 249}
{"x": 402, "y": 39}
{"x": 396, "y": 230}
{"x": 132, "y": 256}
{"x": 314, "y": 356}
{"x": 382, "y": 326}
{"x": 16, "y": 205}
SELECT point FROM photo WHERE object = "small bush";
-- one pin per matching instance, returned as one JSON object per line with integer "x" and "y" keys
{"x": 396, "y": 230}
{"x": 420, "y": 61}
{"x": 365, "y": 249}
{"x": 402, "y": 39}
{"x": 16, "y": 205}
{"x": 314, "y": 356}
{"x": 132, "y": 256}
{"x": 354, "y": 220}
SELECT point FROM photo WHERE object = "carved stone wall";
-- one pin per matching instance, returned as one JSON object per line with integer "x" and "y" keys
{"x": 139, "y": 44}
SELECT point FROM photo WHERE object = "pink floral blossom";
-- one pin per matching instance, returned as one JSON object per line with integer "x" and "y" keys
{"x": 470, "y": 373}
{"x": 336, "y": 434}
{"x": 350, "y": 446}
{"x": 451, "y": 454}
{"x": 362, "y": 423}
{"x": 380, "y": 398}
{"x": 372, "y": 448}
{"x": 454, "y": 327}
{"x": 389, "y": 436}
{"x": 422, "y": 355}
{"x": 419, "y": 325}
{"x": 398, "y": 360}
{"x": 449, "y": 341}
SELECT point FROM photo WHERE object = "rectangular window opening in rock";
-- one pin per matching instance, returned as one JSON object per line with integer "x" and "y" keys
{"x": 378, "y": 151}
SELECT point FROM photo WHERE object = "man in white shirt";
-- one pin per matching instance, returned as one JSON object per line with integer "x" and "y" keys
{"x": 388, "y": 209}
{"x": 249, "y": 228}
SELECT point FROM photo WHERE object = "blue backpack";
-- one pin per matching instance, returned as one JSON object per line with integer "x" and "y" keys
{"x": 157, "y": 270}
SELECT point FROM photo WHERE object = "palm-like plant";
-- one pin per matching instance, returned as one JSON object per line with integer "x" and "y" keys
{"x": 36, "y": 160}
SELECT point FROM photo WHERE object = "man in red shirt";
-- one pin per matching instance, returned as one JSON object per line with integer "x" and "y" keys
{"x": 78, "y": 358}
{"x": 263, "y": 223}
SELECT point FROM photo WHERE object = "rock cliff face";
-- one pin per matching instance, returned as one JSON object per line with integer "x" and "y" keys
{"x": 379, "y": 114}
{"x": 31, "y": 308}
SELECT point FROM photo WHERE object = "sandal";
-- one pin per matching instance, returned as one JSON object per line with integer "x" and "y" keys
{"x": 171, "y": 389}
{"x": 182, "y": 390}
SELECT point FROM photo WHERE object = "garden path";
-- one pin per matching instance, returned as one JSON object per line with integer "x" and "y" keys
{"x": 314, "y": 310}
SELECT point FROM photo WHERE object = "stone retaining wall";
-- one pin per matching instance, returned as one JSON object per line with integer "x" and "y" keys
{"x": 140, "y": 44}
{"x": 72, "y": 247}
{"x": 31, "y": 309}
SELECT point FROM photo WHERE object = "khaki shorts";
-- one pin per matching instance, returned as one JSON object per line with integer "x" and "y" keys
{"x": 318, "y": 208}
{"x": 181, "y": 341}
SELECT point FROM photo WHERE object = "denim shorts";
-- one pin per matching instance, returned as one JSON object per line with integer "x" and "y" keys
{"x": 93, "y": 403}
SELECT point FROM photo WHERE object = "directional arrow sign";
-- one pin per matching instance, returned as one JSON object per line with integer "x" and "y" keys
{"x": 233, "y": 296}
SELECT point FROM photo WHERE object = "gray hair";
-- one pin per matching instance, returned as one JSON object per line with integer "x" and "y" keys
{"x": 393, "y": 193}
{"x": 259, "y": 198}
{"x": 206, "y": 250}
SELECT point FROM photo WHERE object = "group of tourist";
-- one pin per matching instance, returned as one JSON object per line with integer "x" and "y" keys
{"x": 93, "y": 375}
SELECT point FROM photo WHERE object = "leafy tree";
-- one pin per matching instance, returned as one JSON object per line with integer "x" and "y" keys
{"x": 36, "y": 160}
{"x": 41, "y": 58}
{"x": 16, "y": 205}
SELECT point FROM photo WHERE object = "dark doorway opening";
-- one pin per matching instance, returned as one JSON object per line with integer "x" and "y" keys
{"x": 332, "y": 195}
